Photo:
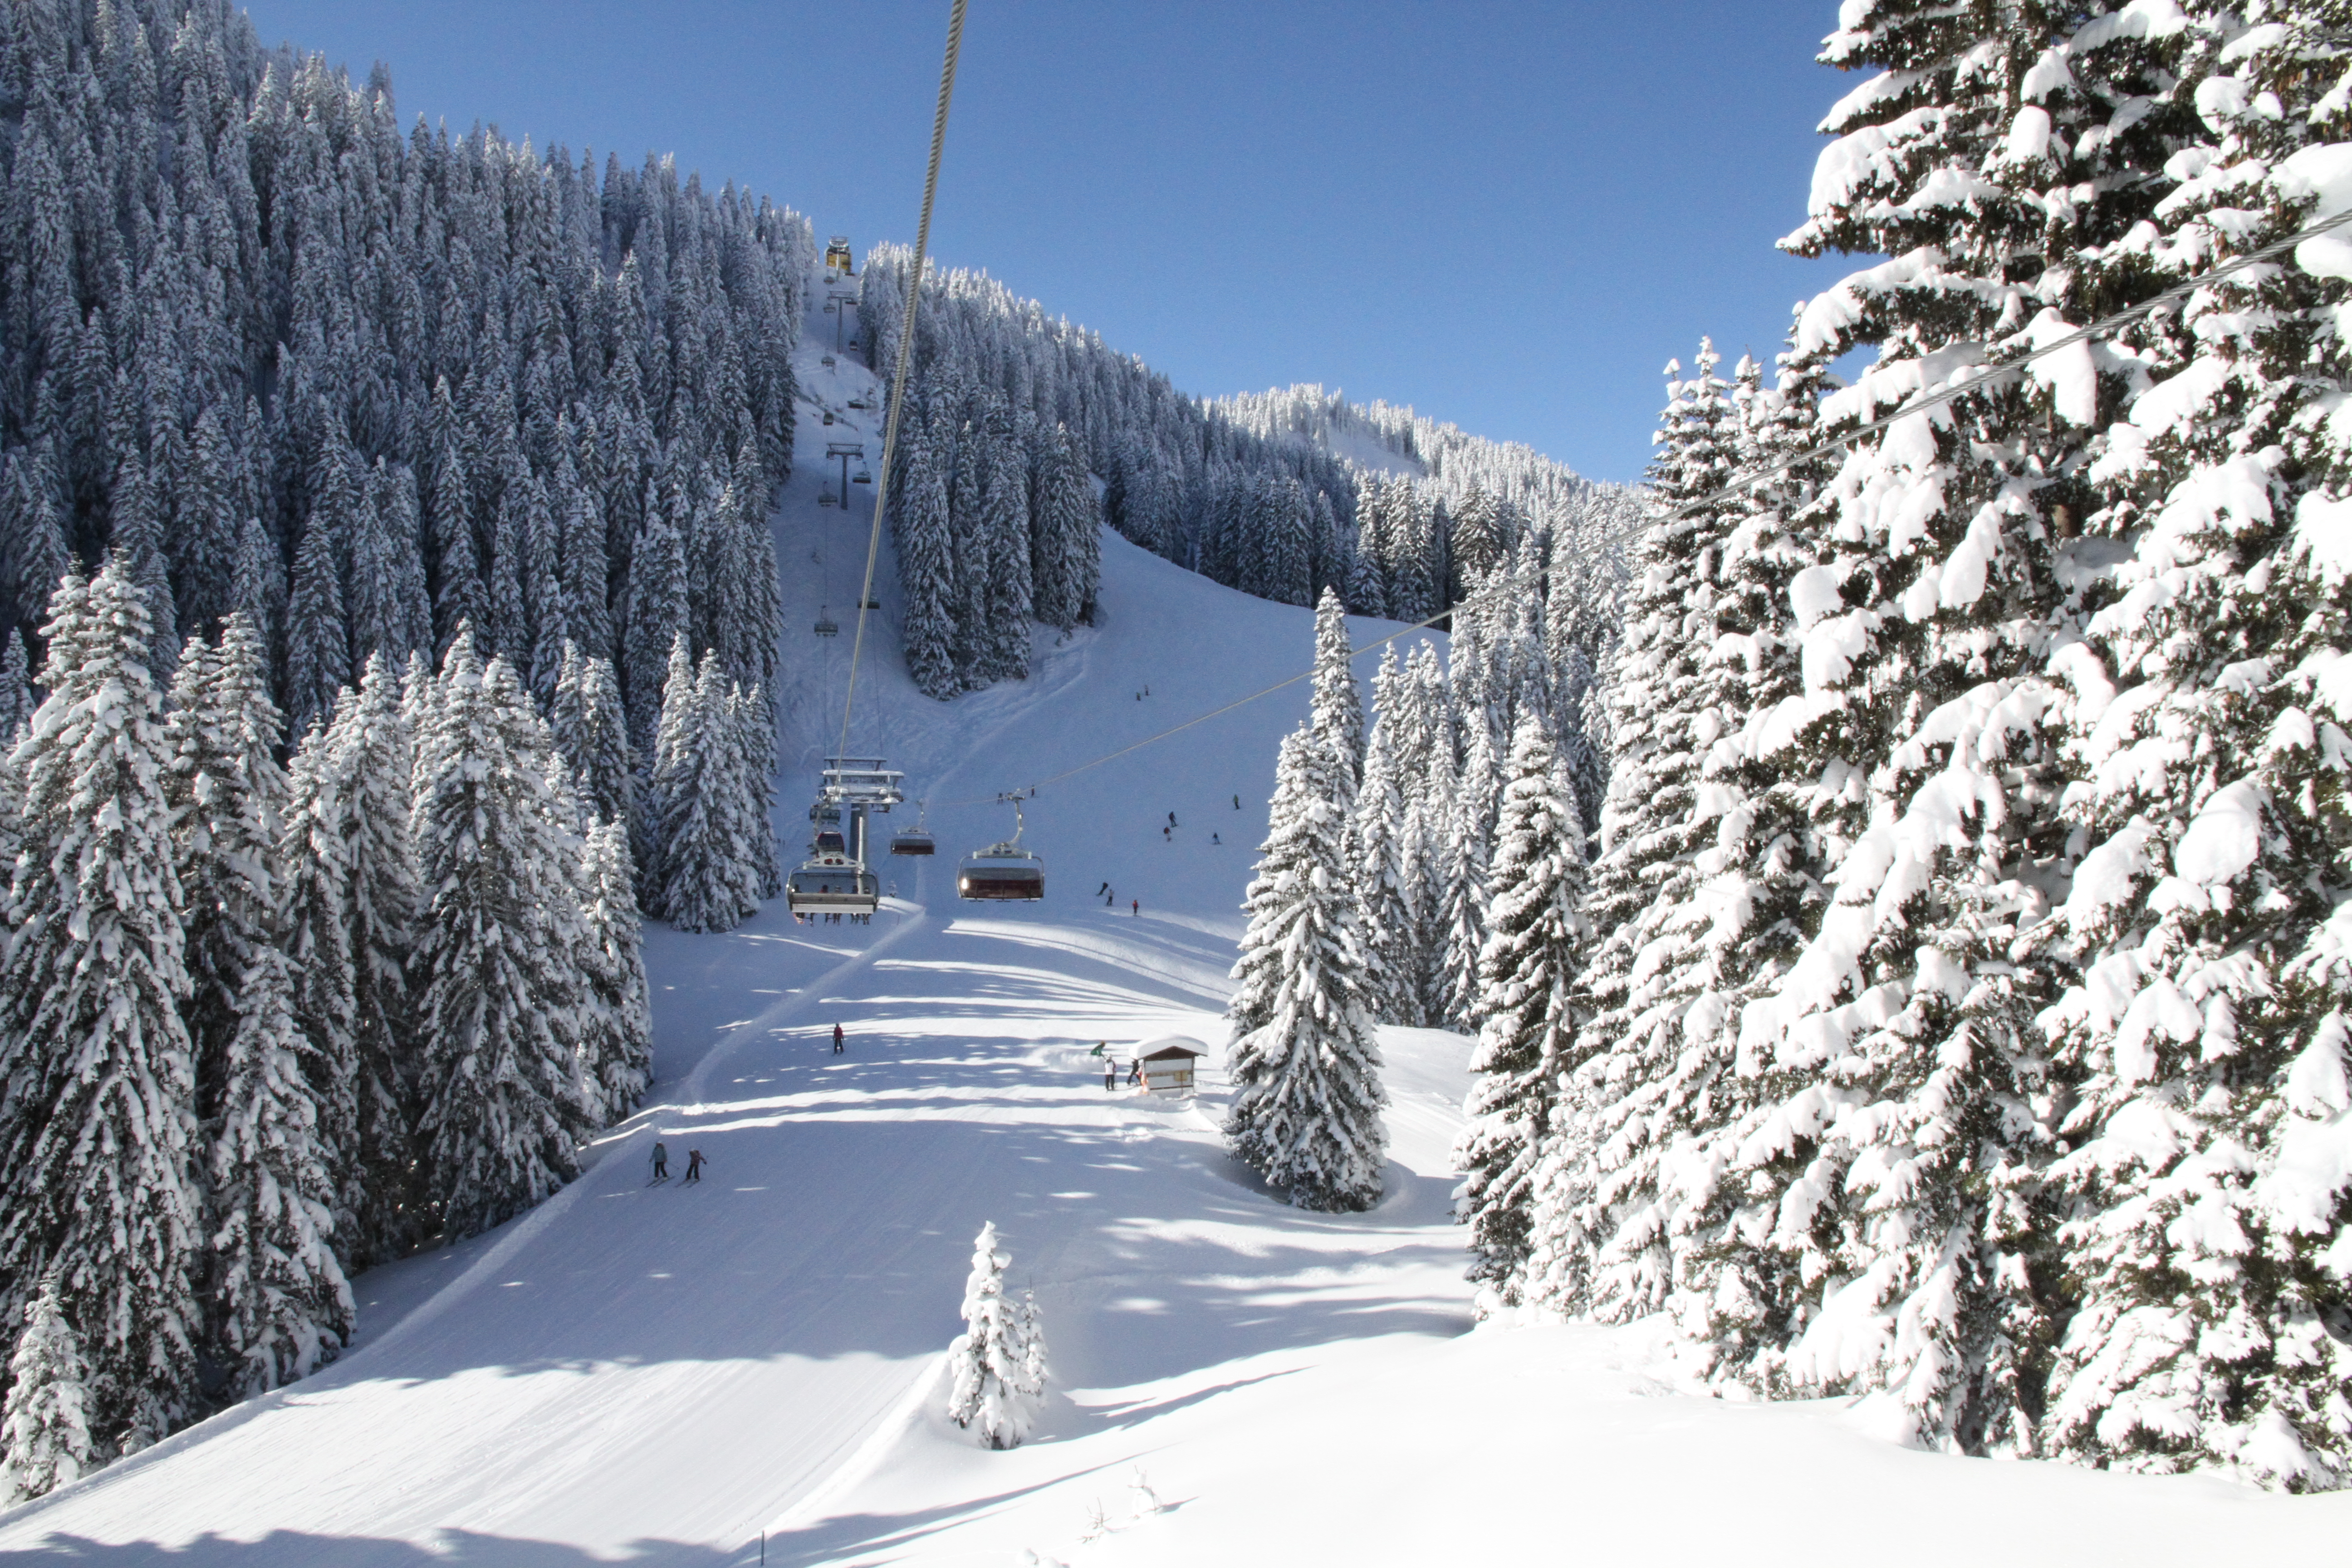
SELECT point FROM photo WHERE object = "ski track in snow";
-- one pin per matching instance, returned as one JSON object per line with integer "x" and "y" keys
{"x": 657, "y": 1375}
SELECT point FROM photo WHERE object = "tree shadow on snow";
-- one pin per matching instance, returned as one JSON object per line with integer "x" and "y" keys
{"x": 296, "y": 1549}
{"x": 837, "y": 1536}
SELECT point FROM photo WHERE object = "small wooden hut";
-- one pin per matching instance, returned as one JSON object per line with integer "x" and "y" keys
{"x": 1168, "y": 1066}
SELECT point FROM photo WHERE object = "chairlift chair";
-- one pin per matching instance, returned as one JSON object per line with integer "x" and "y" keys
{"x": 861, "y": 477}
{"x": 831, "y": 880}
{"x": 915, "y": 840}
{"x": 825, "y": 497}
{"x": 833, "y": 886}
{"x": 1003, "y": 872}
{"x": 826, "y": 627}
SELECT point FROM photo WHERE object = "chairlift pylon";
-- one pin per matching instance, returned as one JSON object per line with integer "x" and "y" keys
{"x": 835, "y": 879}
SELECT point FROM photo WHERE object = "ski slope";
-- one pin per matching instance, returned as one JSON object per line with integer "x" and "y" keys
{"x": 667, "y": 1374}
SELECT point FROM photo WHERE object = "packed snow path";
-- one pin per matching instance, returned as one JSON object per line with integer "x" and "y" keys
{"x": 660, "y": 1372}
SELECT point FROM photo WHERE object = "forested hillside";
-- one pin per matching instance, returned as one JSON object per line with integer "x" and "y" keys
{"x": 365, "y": 384}
{"x": 1246, "y": 492}
{"x": 427, "y": 462}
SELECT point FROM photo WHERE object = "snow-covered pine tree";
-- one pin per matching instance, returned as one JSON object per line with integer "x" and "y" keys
{"x": 1339, "y": 703}
{"x": 707, "y": 880}
{"x": 2205, "y": 1029}
{"x": 657, "y": 619}
{"x": 1467, "y": 851}
{"x": 1375, "y": 851}
{"x": 459, "y": 596}
{"x": 593, "y": 733}
{"x": 281, "y": 1306}
{"x": 316, "y": 926}
{"x": 227, "y": 796}
{"x": 1004, "y": 532}
{"x": 349, "y": 855}
{"x": 1929, "y": 720}
{"x": 499, "y": 944}
{"x": 1528, "y": 1013}
{"x": 318, "y": 641}
{"x": 620, "y": 1052}
{"x": 1308, "y": 1097}
{"x": 739, "y": 739}
{"x": 97, "y": 1124}
{"x": 1066, "y": 545}
{"x": 1666, "y": 1112}
{"x": 996, "y": 1366}
{"x": 45, "y": 1434}
{"x": 17, "y": 699}
{"x": 763, "y": 872}
{"x": 926, "y": 566}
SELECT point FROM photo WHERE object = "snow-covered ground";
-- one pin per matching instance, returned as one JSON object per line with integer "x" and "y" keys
{"x": 662, "y": 1373}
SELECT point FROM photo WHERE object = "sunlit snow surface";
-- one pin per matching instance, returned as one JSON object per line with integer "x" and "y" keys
{"x": 660, "y": 1373}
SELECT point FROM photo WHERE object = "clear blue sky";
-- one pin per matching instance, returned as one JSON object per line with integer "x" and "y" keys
{"x": 1508, "y": 215}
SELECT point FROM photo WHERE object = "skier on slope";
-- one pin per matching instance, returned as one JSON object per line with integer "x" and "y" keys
{"x": 836, "y": 1040}
{"x": 661, "y": 1162}
{"x": 694, "y": 1163}
{"x": 1135, "y": 906}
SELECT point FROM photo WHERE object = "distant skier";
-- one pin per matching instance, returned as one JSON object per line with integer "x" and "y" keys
{"x": 1135, "y": 907}
{"x": 1168, "y": 836}
{"x": 1214, "y": 839}
{"x": 661, "y": 1162}
{"x": 837, "y": 1047}
{"x": 1237, "y": 803}
{"x": 1171, "y": 819}
{"x": 1111, "y": 902}
{"x": 1111, "y": 1074}
{"x": 694, "y": 1163}
{"x": 1135, "y": 1074}
{"x": 1103, "y": 891}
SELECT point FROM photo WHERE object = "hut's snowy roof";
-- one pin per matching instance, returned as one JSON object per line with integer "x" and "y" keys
{"x": 1174, "y": 1045}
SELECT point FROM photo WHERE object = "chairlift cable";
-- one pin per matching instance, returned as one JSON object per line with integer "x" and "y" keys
{"x": 906, "y": 357}
{"x": 2100, "y": 328}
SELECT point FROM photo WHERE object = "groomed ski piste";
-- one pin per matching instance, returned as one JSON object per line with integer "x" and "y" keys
{"x": 704, "y": 1374}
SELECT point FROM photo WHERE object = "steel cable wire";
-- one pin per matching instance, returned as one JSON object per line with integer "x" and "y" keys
{"x": 906, "y": 357}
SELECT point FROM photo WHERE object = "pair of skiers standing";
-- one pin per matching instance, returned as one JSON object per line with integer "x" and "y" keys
{"x": 694, "y": 1161}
